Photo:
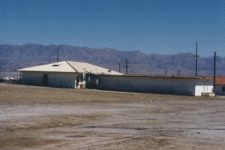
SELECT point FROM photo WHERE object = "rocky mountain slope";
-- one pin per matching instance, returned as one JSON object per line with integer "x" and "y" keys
{"x": 15, "y": 56}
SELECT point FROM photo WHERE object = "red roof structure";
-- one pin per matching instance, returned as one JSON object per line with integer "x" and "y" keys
{"x": 220, "y": 80}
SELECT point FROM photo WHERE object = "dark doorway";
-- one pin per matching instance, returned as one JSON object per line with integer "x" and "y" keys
{"x": 45, "y": 79}
{"x": 78, "y": 79}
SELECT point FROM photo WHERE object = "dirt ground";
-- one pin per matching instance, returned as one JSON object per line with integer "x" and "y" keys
{"x": 34, "y": 117}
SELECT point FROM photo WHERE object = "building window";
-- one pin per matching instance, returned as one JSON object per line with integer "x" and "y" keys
{"x": 223, "y": 88}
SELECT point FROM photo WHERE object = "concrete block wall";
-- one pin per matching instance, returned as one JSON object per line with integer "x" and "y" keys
{"x": 62, "y": 80}
{"x": 32, "y": 78}
{"x": 147, "y": 85}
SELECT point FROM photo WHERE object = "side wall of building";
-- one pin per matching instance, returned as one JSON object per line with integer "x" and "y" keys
{"x": 62, "y": 80}
{"x": 219, "y": 90}
{"x": 32, "y": 78}
{"x": 147, "y": 85}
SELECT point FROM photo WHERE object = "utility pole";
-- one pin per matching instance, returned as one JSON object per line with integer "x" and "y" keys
{"x": 49, "y": 61}
{"x": 119, "y": 67}
{"x": 178, "y": 73}
{"x": 196, "y": 64}
{"x": 165, "y": 72}
{"x": 0, "y": 66}
{"x": 214, "y": 78}
{"x": 58, "y": 55}
{"x": 126, "y": 66}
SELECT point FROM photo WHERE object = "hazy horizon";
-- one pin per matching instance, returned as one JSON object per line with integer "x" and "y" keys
{"x": 111, "y": 48}
{"x": 163, "y": 27}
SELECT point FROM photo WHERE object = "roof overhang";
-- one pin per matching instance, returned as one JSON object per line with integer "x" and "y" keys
{"x": 161, "y": 76}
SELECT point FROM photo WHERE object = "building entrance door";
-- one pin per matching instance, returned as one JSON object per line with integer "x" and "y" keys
{"x": 45, "y": 79}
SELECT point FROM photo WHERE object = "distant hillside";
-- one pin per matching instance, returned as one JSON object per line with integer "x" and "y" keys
{"x": 14, "y": 56}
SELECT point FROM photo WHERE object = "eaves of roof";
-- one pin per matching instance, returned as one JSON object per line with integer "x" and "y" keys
{"x": 162, "y": 76}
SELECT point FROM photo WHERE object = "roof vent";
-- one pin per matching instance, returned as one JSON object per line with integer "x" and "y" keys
{"x": 55, "y": 65}
{"x": 109, "y": 70}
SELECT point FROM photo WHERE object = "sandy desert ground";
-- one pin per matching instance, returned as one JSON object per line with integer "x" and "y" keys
{"x": 34, "y": 117}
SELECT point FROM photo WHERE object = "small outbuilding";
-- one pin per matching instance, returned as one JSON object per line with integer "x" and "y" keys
{"x": 65, "y": 74}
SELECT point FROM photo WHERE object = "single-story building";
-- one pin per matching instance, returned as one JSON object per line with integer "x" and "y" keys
{"x": 71, "y": 74}
{"x": 178, "y": 85}
{"x": 65, "y": 74}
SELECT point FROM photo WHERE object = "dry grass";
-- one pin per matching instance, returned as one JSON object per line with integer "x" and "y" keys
{"x": 54, "y": 118}
{"x": 20, "y": 94}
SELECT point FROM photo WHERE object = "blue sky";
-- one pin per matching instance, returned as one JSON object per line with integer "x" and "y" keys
{"x": 150, "y": 26}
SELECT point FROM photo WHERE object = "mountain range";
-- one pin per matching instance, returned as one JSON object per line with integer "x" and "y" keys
{"x": 13, "y": 57}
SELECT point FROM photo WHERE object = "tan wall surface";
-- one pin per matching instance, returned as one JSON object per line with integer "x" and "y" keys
{"x": 149, "y": 85}
{"x": 62, "y": 80}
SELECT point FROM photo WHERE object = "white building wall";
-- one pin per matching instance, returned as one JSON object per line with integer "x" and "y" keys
{"x": 203, "y": 86}
{"x": 62, "y": 80}
{"x": 145, "y": 84}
